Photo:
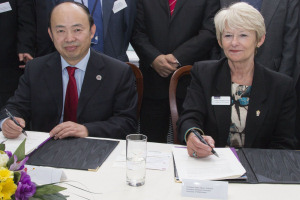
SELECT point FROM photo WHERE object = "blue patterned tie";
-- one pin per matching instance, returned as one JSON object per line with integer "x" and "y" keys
{"x": 96, "y": 12}
{"x": 255, "y": 3}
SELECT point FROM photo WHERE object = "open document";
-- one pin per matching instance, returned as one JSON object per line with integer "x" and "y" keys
{"x": 226, "y": 166}
{"x": 33, "y": 140}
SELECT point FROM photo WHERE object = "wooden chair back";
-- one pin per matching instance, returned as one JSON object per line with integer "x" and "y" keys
{"x": 139, "y": 84}
{"x": 185, "y": 70}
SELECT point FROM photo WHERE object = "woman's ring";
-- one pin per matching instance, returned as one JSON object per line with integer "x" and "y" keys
{"x": 195, "y": 154}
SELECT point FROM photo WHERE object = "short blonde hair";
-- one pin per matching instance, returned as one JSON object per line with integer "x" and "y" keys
{"x": 240, "y": 16}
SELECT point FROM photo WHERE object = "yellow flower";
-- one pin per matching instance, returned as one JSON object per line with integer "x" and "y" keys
{"x": 7, "y": 188}
{"x": 5, "y": 174}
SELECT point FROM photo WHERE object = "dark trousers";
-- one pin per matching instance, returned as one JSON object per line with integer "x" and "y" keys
{"x": 155, "y": 118}
{"x": 297, "y": 129}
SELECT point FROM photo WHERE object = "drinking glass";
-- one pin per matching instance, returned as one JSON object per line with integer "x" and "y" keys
{"x": 136, "y": 153}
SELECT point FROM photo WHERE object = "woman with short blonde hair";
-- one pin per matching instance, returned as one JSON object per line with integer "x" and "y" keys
{"x": 236, "y": 101}
{"x": 240, "y": 16}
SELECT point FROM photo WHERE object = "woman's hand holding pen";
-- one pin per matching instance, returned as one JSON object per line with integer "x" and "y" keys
{"x": 10, "y": 129}
{"x": 198, "y": 149}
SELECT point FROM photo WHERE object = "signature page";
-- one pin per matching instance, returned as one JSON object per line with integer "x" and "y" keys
{"x": 226, "y": 166}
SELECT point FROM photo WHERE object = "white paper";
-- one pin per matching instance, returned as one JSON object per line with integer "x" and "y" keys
{"x": 204, "y": 189}
{"x": 226, "y": 166}
{"x": 220, "y": 100}
{"x": 156, "y": 160}
{"x": 45, "y": 175}
{"x": 119, "y": 5}
{"x": 34, "y": 139}
{"x": 4, "y": 7}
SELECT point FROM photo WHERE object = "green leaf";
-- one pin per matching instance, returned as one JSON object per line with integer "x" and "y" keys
{"x": 17, "y": 176}
{"x": 20, "y": 153}
{"x": 57, "y": 196}
{"x": 47, "y": 189}
{"x": 2, "y": 147}
{"x": 34, "y": 198}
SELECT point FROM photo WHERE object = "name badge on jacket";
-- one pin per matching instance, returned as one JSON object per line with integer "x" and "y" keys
{"x": 4, "y": 7}
{"x": 220, "y": 100}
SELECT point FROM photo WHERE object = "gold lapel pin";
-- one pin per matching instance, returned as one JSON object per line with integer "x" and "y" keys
{"x": 257, "y": 113}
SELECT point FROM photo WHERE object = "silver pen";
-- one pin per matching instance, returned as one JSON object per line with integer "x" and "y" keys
{"x": 204, "y": 141}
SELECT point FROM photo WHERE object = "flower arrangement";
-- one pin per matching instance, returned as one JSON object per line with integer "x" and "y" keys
{"x": 16, "y": 184}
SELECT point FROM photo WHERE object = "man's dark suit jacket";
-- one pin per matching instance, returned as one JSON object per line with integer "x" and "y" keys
{"x": 272, "y": 94}
{"x": 17, "y": 30}
{"x": 188, "y": 34}
{"x": 279, "y": 49}
{"x": 297, "y": 82}
{"x": 106, "y": 106}
{"x": 117, "y": 27}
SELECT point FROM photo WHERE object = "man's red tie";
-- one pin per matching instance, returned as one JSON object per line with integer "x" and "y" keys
{"x": 71, "y": 99}
{"x": 172, "y": 4}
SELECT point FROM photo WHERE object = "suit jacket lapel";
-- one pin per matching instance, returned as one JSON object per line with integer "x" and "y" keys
{"x": 90, "y": 83}
{"x": 223, "y": 112}
{"x": 177, "y": 8}
{"x": 165, "y": 6}
{"x": 257, "y": 110}
{"x": 268, "y": 9}
{"x": 107, "y": 6}
{"x": 226, "y": 3}
{"x": 53, "y": 79}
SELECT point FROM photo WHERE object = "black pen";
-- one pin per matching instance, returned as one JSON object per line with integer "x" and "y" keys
{"x": 204, "y": 141}
{"x": 14, "y": 120}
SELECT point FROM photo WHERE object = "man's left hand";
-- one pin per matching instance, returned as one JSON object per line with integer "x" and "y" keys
{"x": 68, "y": 129}
{"x": 172, "y": 60}
{"x": 25, "y": 57}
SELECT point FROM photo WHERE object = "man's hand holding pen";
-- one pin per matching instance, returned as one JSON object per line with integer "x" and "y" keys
{"x": 11, "y": 130}
{"x": 198, "y": 149}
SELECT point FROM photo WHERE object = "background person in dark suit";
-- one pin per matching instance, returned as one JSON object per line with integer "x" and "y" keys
{"x": 297, "y": 129}
{"x": 281, "y": 18}
{"x": 260, "y": 108}
{"x": 117, "y": 26}
{"x": 107, "y": 98}
{"x": 44, "y": 45}
{"x": 296, "y": 76}
{"x": 17, "y": 30}
{"x": 165, "y": 38}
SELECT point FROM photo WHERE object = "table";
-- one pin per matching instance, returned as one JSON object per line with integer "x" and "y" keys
{"x": 160, "y": 185}
{"x": 109, "y": 183}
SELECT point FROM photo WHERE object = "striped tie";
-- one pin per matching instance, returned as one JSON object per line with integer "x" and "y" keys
{"x": 95, "y": 9}
{"x": 71, "y": 98}
{"x": 172, "y": 4}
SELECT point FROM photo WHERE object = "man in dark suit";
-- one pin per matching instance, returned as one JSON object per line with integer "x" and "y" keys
{"x": 117, "y": 27}
{"x": 167, "y": 36}
{"x": 104, "y": 103}
{"x": 281, "y": 18}
{"x": 296, "y": 77}
{"x": 17, "y": 30}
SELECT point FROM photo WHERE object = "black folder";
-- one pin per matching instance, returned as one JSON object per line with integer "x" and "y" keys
{"x": 271, "y": 165}
{"x": 73, "y": 153}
